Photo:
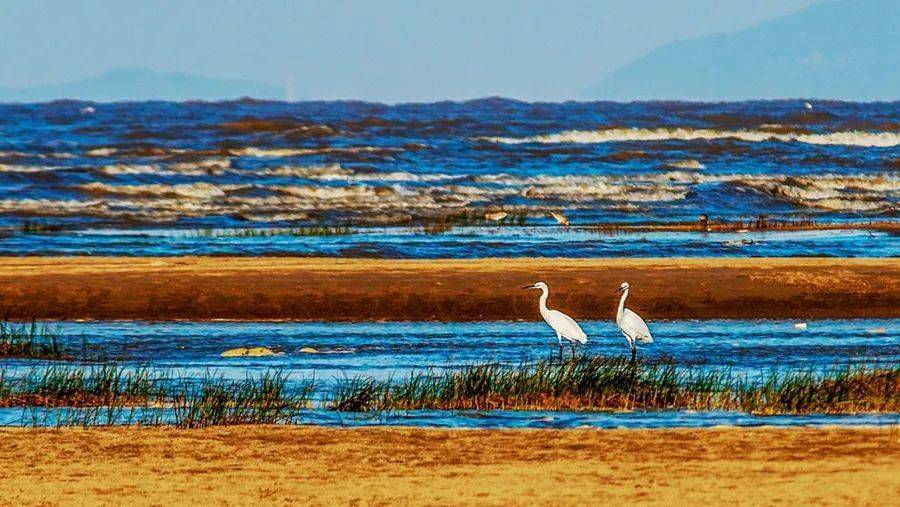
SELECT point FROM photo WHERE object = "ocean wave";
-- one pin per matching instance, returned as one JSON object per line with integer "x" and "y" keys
{"x": 252, "y": 151}
{"x": 51, "y": 207}
{"x": 848, "y": 138}
{"x": 323, "y": 172}
{"x": 101, "y": 152}
{"x": 277, "y": 125}
{"x": 13, "y": 168}
{"x": 335, "y": 172}
{"x": 198, "y": 190}
{"x": 859, "y": 193}
{"x": 671, "y": 186}
{"x": 179, "y": 169}
{"x": 633, "y": 192}
{"x": 687, "y": 164}
{"x": 15, "y": 154}
{"x": 132, "y": 169}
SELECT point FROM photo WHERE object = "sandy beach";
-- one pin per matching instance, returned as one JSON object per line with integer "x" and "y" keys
{"x": 201, "y": 288}
{"x": 382, "y": 466}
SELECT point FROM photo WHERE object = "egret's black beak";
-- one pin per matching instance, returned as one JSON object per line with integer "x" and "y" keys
{"x": 528, "y": 287}
{"x": 620, "y": 289}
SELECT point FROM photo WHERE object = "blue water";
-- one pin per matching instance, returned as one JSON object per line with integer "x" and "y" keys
{"x": 146, "y": 178}
{"x": 468, "y": 242}
{"x": 385, "y": 350}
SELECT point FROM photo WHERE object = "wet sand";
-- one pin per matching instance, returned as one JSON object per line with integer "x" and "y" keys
{"x": 381, "y": 466}
{"x": 202, "y": 288}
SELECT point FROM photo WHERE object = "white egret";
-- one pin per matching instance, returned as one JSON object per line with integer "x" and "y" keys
{"x": 562, "y": 324}
{"x": 631, "y": 324}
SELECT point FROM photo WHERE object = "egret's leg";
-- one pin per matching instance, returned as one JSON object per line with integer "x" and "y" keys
{"x": 573, "y": 349}
{"x": 633, "y": 352}
{"x": 559, "y": 342}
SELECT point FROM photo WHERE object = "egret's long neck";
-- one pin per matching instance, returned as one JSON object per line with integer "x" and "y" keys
{"x": 543, "y": 304}
{"x": 622, "y": 304}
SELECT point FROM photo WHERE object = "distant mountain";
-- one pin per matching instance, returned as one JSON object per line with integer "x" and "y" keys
{"x": 836, "y": 50}
{"x": 140, "y": 84}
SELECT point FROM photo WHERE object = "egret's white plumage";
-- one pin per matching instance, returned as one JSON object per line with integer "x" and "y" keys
{"x": 562, "y": 324}
{"x": 631, "y": 324}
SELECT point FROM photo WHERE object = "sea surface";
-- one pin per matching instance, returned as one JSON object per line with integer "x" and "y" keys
{"x": 433, "y": 180}
{"x": 331, "y": 352}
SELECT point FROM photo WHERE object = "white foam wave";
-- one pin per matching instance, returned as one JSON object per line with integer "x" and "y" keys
{"x": 131, "y": 169}
{"x": 198, "y": 190}
{"x": 322, "y": 172}
{"x": 848, "y": 138}
{"x": 12, "y": 168}
{"x": 654, "y": 187}
{"x": 22, "y": 154}
{"x": 687, "y": 164}
{"x": 51, "y": 207}
{"x": 394, "y": 200}
{"x": 252, "y": 151}
{"x": 215, "y": 166}
{"x": 833, "y": 192}
{"x": 101, "y": 152}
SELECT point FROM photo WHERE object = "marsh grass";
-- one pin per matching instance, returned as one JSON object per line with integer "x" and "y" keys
{"x": 105, "y": 394}
{"x": 31, "y": 340}
{"x": 31, "y": 227}
{"x": 63, "y": 386}
{"x": 266, "y": 399}
{"x": 599, "y": 383}
{"x": 265, "y": 232}
{"x": 114, "y": 394}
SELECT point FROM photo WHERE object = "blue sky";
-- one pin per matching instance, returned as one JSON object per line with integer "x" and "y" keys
{"x": 374, "y": 50}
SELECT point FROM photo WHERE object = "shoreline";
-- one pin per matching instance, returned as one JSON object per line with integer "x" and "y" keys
{"x": 380, "y": 465}
{"x": 321, "y": 289}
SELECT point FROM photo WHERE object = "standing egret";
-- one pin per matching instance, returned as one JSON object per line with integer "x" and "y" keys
{"x": 630, "y": 323}
{"x": 562, "y": 324}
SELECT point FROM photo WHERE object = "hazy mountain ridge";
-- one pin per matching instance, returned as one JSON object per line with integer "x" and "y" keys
{"x": 124, "y": 84}
{"x": 836, "y": 50}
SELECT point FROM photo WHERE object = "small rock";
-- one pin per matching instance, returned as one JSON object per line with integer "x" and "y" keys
{"x": 249, "y": 352}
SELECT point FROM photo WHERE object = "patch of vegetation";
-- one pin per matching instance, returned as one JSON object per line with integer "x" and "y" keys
{"x": 30, "y": 227}
{"x": 31, "y": 340}
{"x": 64, "y": 386}
{"x": 600, "y": 383}
{"x": 312, "y": 230}
{"x": 254, "y": 400}
{"x": 115, "y": 394}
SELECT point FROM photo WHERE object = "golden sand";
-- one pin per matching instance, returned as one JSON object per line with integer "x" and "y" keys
{"x": 384, "y": 466}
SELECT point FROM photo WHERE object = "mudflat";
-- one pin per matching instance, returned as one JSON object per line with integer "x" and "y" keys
{"x": 203, "y": 288}
{"x": 327, "y": 466}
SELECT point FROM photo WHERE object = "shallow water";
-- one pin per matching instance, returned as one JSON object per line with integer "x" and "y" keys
{"x": 495, "y": 419}
{"x": 188, "y": 166}
{"x": 462, "y": 242}
{"x": 384, "y": 350}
